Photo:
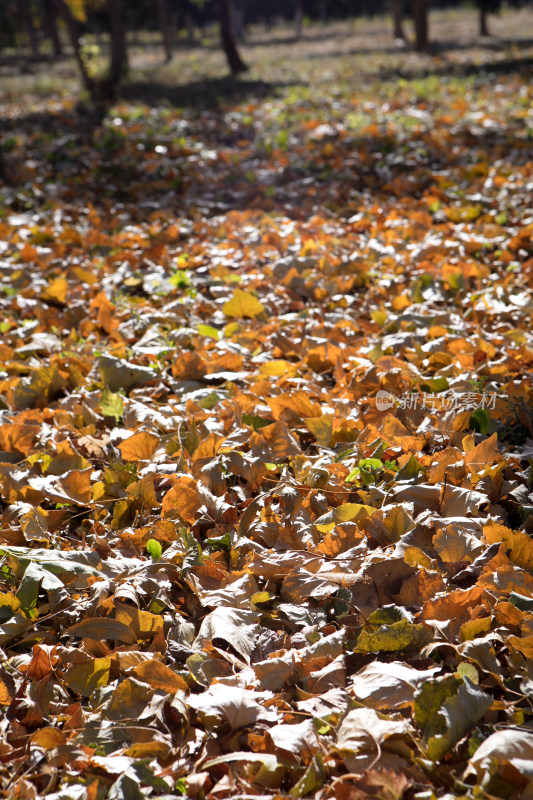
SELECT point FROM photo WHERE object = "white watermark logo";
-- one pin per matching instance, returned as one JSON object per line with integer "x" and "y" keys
{"x": 444, "y": 401}
{"x": 384, "y": 400}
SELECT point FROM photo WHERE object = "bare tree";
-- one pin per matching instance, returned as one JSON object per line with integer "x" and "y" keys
{"x": 487, "y": 7}
{"x": 229, "y": 40}
{"x": 397, "y": 18}
{"x": 27, "y": 19}
{"x": 102, "y": 89}
{"x": 299, "y": 18}
{"x": 420, "y": 19}
{"x": 74, "y": 36}
{"x": 119, "y": 52}
{"x": 50, "y": 17}
{"x": 4, "y": 178}
{"x": 165, "y": 27}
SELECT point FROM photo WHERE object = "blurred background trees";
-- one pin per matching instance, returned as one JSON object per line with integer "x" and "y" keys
{"x": 92, "y": 28}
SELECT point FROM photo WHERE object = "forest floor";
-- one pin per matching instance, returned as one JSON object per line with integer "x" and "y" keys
{"x": 266, "y": 421}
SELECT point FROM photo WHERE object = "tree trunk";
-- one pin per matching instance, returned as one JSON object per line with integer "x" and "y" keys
{"x": 299, "y": 19}
{"x": 50, "y": 11}
{"x": 420, "y": 18}
{"x": 27, "y": 18}
{"x": 189, "y": 23}
{"x": 397, "y": 18}
{"x": 238, "y": 19}
{"x": 4, "y": 177}
{"x": 165, "y": 27}
{"x": 74, "y": 36}
{"x": 229, "y": 42}
{"x": 119, "y": 53}
{"x": 483, "y": 21}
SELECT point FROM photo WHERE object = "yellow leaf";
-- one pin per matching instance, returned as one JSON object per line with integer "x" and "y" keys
{"x": 9, "y": 601}
{"x": 85, "y": 678}
{"x": 520, "y": 544}
{"x": 243, "y": 304}
{"x": 455, "y": 545}
{"x": 101, "y": 628}
{"x": 56, "y": 291}
{"x": 84, "y": 275}
{"x": 347, "y": 512}
{"x": 524, "y": 645}
{"x": 18, "y": 437}
{"x": 48, "y": 738}
{"x": 321, "y": 428}
{"x": 474, "y": 627}
{"x": 129, "y": 700}
{"x": 152, "y": 749}
{"x": 398, "y": 522}
{"x": 400, "y": 302}
{"x": 277, "y": 368}
{"x": 380, "y": 317}
{"x": 39, "y": 388}
{"x": 144, "y": 490}
{"x": 209, "y": 447}
{"x": 139, "y": 447}
{"x": 143, "y": 624}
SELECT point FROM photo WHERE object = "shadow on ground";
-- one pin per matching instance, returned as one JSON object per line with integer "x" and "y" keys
{"x": 202, "y": 94}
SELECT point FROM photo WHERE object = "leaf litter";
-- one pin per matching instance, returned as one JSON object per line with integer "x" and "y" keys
{"x": 227, "y": 568}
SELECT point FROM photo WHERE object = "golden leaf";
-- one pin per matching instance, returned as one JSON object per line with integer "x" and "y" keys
{"x": 321, "y": 428}
{"x": 56, "y": 291}
{"x": 48, "y": 738}
{"x": 5, "y": 695}
{"x": 520, "y": 544}
{"x": 85, "y": 678}
{"x": 143, "y": 624}
{"x": 243, "y": 304}
{"x": 277, "y": 368}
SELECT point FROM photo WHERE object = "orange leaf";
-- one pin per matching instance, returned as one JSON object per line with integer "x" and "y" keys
{"x": 160, "y": 677}
{"x": 274, "y": 442}
{"x": 77, "y": 485}
{"x": 292, "y": 408}
{"x": 183, "y": 498}
{"x": 18, "y": 437}
{"x": 486, "y": 453}
{"x": 139, "y": 447}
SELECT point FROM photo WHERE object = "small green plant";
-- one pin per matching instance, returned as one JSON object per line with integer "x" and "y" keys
{"x": 154, "y": 549}
{"x": 180, "y": 279}
{"x": 112, "y": 404}
{"x": 480, "y": 421}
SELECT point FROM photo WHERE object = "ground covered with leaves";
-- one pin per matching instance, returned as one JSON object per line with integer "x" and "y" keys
{"x": 266, "y": 431}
